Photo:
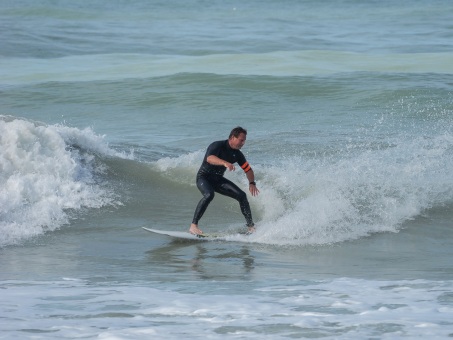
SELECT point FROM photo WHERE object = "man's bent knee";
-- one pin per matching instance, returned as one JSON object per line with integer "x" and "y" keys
{"x": 241, "y": 196}
{"x": 208, "y": 196}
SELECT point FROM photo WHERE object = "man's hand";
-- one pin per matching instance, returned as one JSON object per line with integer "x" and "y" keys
{"x": 229, "y": 166}
{"x": 253, "y": 189}
{"x": 214, "y": 160}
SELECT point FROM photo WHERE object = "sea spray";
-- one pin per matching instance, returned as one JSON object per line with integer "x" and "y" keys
{"x": 46, "y": 172}
{"x": 354, "y": 195}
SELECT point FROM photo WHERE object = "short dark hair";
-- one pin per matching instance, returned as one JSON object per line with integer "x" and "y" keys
{"x": 237, "y": 131}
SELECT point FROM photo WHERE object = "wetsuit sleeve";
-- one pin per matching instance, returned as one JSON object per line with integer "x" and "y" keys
{"x": 243, "y": 163}
{"x": 214, "y": 149}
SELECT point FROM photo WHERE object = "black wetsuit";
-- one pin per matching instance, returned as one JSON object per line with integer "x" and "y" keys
{"x": 210, "y": 179}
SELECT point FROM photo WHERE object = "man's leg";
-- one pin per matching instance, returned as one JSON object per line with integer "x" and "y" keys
{"x": 228, "y": 188}
{"x": 207, "y": 191}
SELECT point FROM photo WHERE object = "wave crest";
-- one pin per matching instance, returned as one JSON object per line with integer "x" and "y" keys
{"x": 45, "y": 172}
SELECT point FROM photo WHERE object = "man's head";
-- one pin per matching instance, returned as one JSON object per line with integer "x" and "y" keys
{"x": 237, "y": 138}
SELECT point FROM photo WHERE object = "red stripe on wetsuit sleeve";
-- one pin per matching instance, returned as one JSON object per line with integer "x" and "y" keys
{"x": 246, "y": 167}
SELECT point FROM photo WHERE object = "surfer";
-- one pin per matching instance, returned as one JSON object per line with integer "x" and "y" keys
{"x": 222, "y": 155}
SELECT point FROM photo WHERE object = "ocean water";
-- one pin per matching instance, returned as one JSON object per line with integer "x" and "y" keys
{"x": 106, "y": 109}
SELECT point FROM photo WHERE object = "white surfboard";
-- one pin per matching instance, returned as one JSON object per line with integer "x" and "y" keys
{"x": 184, "y": 235}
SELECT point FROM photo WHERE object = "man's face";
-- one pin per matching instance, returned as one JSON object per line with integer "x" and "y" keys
{"x": 237, "y": 142}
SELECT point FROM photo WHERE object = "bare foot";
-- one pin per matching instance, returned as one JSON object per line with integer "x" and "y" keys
{"x": 251, "y": 230}
{"x": 195, "y": 230}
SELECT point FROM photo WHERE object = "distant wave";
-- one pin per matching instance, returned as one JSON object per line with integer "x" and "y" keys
{"x": 17, "y": 71}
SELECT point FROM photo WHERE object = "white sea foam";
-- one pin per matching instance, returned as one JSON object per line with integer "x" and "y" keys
{"x": 333, "y": 200}
{"x": 45, "y": 171}
{"x": 340, "y": 308}
{"x": 182, "y": 168}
